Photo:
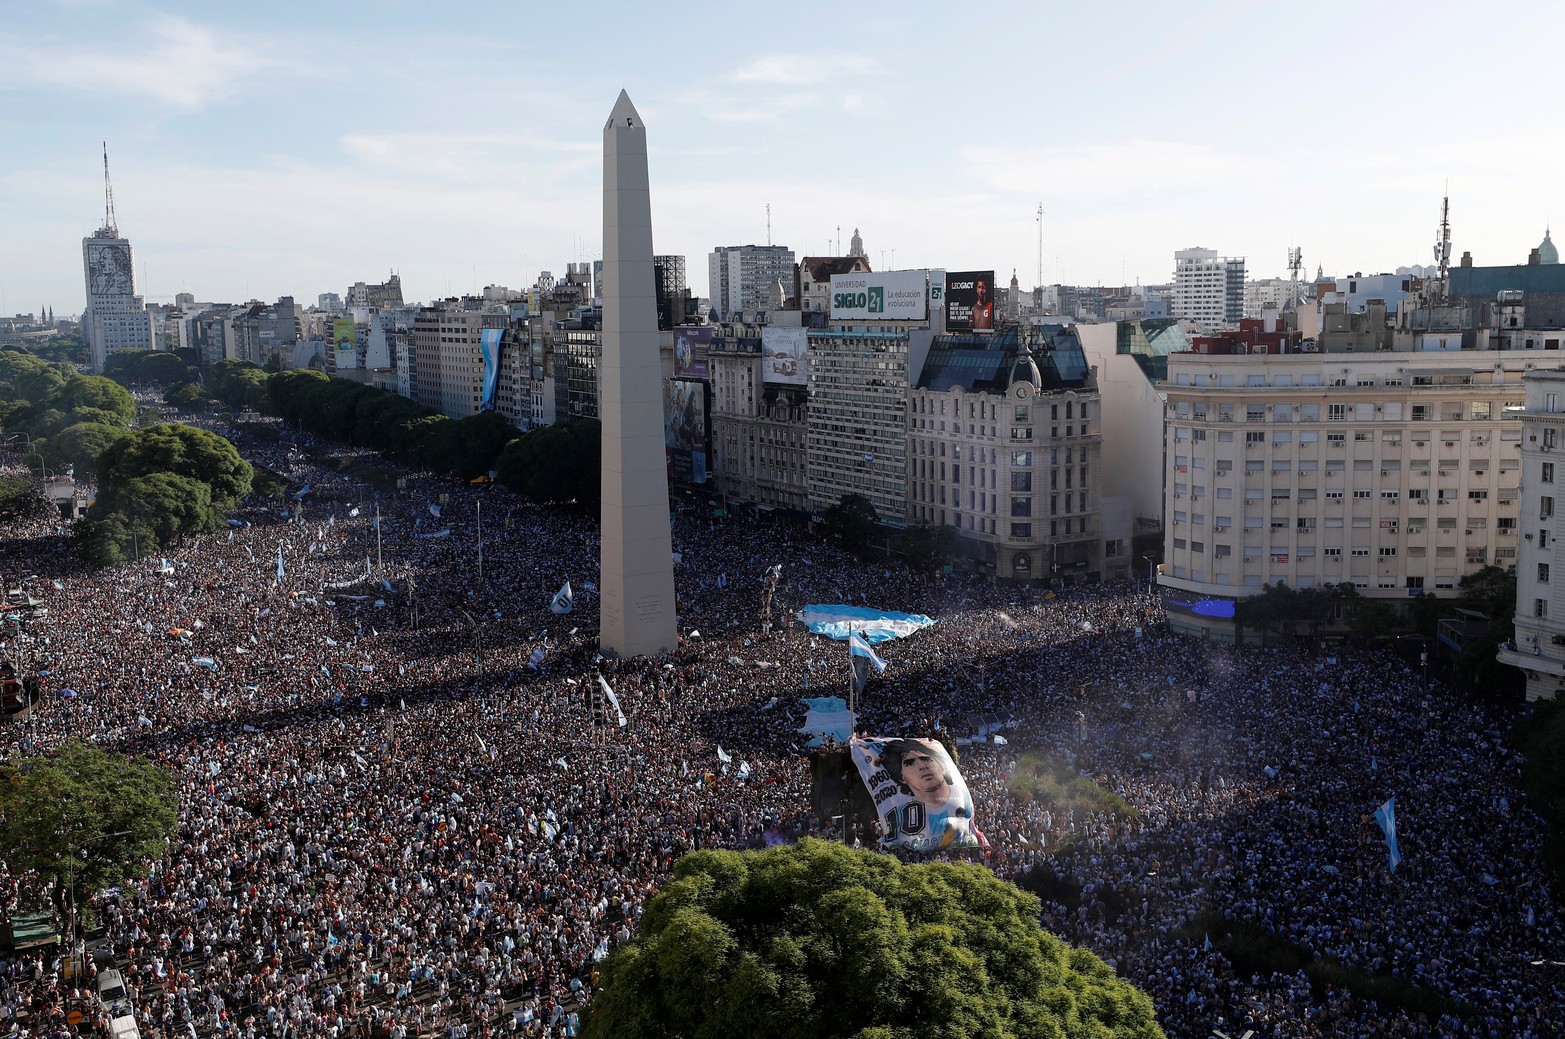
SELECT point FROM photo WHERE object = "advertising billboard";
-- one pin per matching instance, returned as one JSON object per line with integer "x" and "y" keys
{"x": 893, "y": 295}
{"x": 970, "y": 301}
{"x": 784, "y": 357}
{"x": 344, "y": 343}
{"x": 491, "y": 342}
{"x": 684, "y": 430}
{"x": 691, "y": 343}
{"x": 921, "y": 801}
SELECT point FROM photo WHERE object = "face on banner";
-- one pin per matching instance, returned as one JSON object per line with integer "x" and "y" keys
{"x": 921, "y": 800}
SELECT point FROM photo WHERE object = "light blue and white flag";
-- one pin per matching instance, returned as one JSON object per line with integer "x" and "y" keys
{"x": 613, "y": 700}
{"x": 723, "y": 756}
{"x": 280, "y": 570}
{"x": 859, "y": 647}
{"x": 353, "y": 512}
{"x": 1207, "y": 945}
{"x": 302, "y": 492}
{"x": 206, "y": 662}
{"x": 744, "y": 770}
{"x": 434, "y": 510}
{"x": 563, "y": 600}
{"x": 1386, "y": 816}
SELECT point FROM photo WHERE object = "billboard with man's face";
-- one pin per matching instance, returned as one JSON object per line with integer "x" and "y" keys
{"x": 684, "y": 430}
{"x": 784, "y": 357}
{"x": 970, "y": 301}
{"x": 921, "y": 801}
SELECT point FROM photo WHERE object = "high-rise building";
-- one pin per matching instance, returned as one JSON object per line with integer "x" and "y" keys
{"x": 1208, "y": 289}
{"x": 742, "y": 277}
{"x": 1004, "y": 444}
{"x": 1539, "y": 646}
{"x": 116, "y": 318}
{"x": 668, "y": 281}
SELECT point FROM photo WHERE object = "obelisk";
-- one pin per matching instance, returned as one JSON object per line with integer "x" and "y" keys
{"x": 636, "y": 587}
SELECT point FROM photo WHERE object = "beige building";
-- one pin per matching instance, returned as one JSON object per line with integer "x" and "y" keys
{"x": 1539, "y": 647}
{"x": 1399, "y": 472}
{"x": 759, "y": 429}
{"x": 449, "y": 362}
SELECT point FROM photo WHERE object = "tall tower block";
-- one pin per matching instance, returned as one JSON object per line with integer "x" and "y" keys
{"x": 636, "y": 586}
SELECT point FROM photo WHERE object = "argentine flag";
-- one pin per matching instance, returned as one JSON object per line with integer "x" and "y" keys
{"x": 1386, "y": 816}
{"x": 279, "y": 562}
{"x": 858, "y": 646}
{"x": 563, "y": 600}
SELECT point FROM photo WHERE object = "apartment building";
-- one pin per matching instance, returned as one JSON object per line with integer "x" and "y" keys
{"x": 1399, "y": 472}
{"x": 1539, "y": 646}
{"x": 760, "y": 433}
{"x": 1004, "y": 445}
{"x": 448, "y": 361}
{"x": 1208, "y": 288}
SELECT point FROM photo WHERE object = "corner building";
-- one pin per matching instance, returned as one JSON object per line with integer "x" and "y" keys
{"x": 1539, "y": 646}
{"x": 1397, "y": 471}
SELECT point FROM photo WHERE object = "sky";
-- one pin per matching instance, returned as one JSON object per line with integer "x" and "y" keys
{"x": 261, "y": 150}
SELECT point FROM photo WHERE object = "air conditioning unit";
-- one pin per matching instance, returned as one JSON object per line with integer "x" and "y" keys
{"x": 1423, "y": 501}
{"x": 1450, "y": 443}
{"x": 1385, "y": 472}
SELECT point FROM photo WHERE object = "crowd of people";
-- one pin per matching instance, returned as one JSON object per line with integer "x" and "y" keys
{"x": 407, "y": 809}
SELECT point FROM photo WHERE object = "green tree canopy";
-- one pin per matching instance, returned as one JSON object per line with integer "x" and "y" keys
{"x": 182, "y": 451}
{"x": 820, "y": 940}
{"x": 851, "y": 521}
{"x": 86, "y": 812}
{"x": 80, "y": 445}
{"x": 555, "y": 464}
{"x": 186, "y": 396}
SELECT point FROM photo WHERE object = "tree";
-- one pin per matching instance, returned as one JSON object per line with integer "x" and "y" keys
{"x": 851, "y": 521}
{"x": 820, "y": 940}
{"x": 555, "y": 464}
{"x": 182, "y": 451}
{"x": 187, "y": 396}
{"x": 84, "y": 815}
{"x": 926, "y": 547}
{"x": 1491, "y": 592}
{"x": 80, "y": 445}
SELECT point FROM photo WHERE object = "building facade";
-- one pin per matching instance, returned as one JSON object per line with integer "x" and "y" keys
{"x": 116, "y": 318}
{"x": 1539, "y": 646}
{"x": 743, "y": 277}
{"x": 1003, "y": 446}
{"x": 760, "y": 431}
{"x": 1397, "y": 472}
{"x": 1208, "y": 288}
{"x": 448, "y": 359}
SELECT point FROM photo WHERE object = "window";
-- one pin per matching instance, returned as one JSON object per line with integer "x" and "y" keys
{"x": 1361, "y": 494}
{"x": 1021, "y": 458}
{"x": 1021, "y": 530}
{"x": 1254, "y": 439}
{"x": 1331, "y": 553}
{"x": 1336, "y": 438}
{"x": 1548, "y": 473}
{"x": 1021, "y": 413}
{"x": 1478, "y": 411}
{"x": 1386, "y": 551}
{"x": 1021, "y": 480}
{"x": 1545, "y": 507}
{"x": 1360, "y": 437}
{"x": 1361, "y": 551}
{"x": 1543, "y": 573}
{"x": 1336, "y": 412}
{"x": 1021, "y": 506}
{"x": 1540, "y": 608}
{"x": 1477, "y": 495}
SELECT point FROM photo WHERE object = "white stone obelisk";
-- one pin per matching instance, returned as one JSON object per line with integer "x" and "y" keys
{"x": 636, "y": 586}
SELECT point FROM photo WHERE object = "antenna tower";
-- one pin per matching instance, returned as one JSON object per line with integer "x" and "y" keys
{"x": 768, "y": 223}
{"x": 1040, "y": 245}
{"x": 1295, "y": 265}
{"x": 109, "y": 224}
{"x": 1443, "y": 243}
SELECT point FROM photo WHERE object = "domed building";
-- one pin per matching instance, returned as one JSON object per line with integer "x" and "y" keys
{"x": 1547, "y": 253}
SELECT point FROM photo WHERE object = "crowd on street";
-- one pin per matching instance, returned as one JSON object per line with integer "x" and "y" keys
{"x": 407, "y": 809}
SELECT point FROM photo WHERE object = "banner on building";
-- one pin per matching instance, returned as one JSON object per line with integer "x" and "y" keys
{"x": 921, "y": 801}
{"x": 685, "y": 430}
{"x": 970, "y": 301}
{"x": 892, "y": 295}
{"x": 491, "y": 343}
{"x": 784, "y": 356}
{"x": 691, "y": 343}
{"x": 344, "y": 341}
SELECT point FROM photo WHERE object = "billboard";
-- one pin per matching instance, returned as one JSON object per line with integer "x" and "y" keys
{"x": 921, "y": 801}
{"x": 491, "y": 342}
{"x": 893, "y": 295}
{"x": 970, "y": 301}
{"x": 691, "y": 343}
{"x": 784, "y": 361}
{"x": 684, "y": 430}
{"x": 344, "y": 343}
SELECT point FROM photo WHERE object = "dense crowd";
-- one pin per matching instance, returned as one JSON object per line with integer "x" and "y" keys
{"x": 406, "y": 808}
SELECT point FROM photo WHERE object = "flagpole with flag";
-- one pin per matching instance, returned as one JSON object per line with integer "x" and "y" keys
{"x": 861, "y": 657}
{"x": 1386, "y": 816}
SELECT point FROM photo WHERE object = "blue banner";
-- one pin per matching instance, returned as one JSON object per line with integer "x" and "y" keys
{"x": 838, "y": 621}
{"x": 490, "y": 343}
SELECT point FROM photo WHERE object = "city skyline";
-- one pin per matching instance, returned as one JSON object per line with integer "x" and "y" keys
{"x": 252, "y": 161}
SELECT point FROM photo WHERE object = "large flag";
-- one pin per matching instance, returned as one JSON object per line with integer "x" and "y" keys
{"x": 614, "y": 700}
{"x": 563, "y": 600}
{"x": 921, "y": 799}
{"x": 723, "y": 755}
{"x": 1386, "y": 816}
{"x": 862, "y": 657}
{"x": 279, "y": 562}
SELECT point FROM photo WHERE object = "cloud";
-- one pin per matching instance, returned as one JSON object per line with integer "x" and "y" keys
{"x": 473, "y": 158}
{"x": 181, "y": 64}
{"x": 803, "y": 70}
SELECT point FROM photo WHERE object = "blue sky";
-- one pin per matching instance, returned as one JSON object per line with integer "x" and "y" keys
{"x": 288, "y": 148}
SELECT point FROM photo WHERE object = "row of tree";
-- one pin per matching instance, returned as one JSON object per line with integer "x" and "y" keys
{"x": 65, "y": 418}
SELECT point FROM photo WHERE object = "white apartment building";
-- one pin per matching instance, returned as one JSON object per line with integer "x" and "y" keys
{"x": 1399, "y": 472}
{"x": 449, "y": 364}
{"x": 1539, "y": 646}
{"x": 1208, "y": 289}
{"x": 116, "y": 318}
{"x": 744, "y": 277}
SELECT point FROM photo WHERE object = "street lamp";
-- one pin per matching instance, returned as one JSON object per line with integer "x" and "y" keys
{"x": 1150, "y": 578}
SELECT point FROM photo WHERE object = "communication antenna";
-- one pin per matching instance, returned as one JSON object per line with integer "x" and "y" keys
{"x": 1295, "y": 265}
{"x": 1040, "y": 244}
{"x": 768, "y": 223}
{"x": 109, "y": 224}
{"x": 1443, "y": 243}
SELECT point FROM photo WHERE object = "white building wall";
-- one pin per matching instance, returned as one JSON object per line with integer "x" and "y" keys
{"x": 1132, "y": 423}
{"x": 1539, "y": 646}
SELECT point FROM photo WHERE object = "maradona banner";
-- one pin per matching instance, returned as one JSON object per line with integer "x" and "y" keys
{"x": 921, "y": 800}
